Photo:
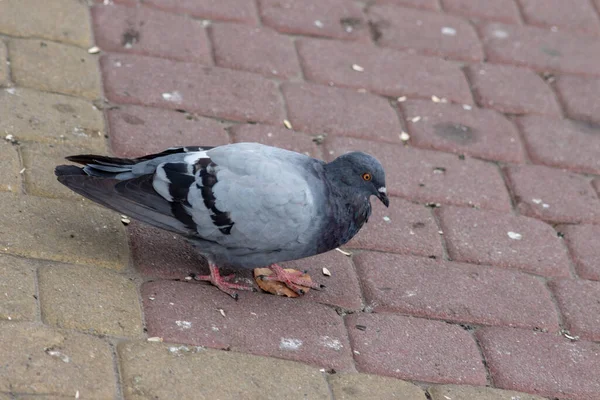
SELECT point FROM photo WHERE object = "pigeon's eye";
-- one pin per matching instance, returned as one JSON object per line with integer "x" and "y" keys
{"x": 367, "y": 176}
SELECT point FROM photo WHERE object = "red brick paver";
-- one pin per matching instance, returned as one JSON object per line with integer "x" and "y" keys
{"x": 572, "y": 145}
{"x": 182, "y": 312}
{"x": 578, "y": 302}
{"x": 254, "y": 49}
{"x": 425, "y": 32}
{"x": 210, "y": 91}
{"x": 503, "y": 240}
{"x": 553, "y": 195}
{"x": 498, "y": 10}
{"x": 578, "y": 95}
{"x": 337, "y": 19}
{"x": 136, "y": 131}
{"x": 511, "y": 90}
{"x": 455, "y": 292}
{"x": 541, "y": 363}
{"x": 575, "y": 15}
{"x": 412, "y": 348}
{"x": 387, "y": 72}
{"x": 319, "y": 109}
{"x": 452, "y": 128}
{"x": 224, "y": 10}
{"x": 431, "y": 176}
{"x": 423, "y": 4}
{"x": 541, "y": 49}
{"x": 582, "y": 241}
{"x": 146, "y": 31}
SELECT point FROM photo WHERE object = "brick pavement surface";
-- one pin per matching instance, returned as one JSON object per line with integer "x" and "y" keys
{"x": 481, "y": 281}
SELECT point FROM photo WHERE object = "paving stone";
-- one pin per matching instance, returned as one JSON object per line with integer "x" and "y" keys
{"x": 146, "y": 31}
{"x": 463, "y": 392}
{"x": 511, "y": 90}
{"x": 53, "y": 118}
{"x": 364, "y": 387}
{"x": 464, "y": 293}
{"x": 476, "y": 132}
{"x": 224, "y": 10}
{"x": 541, "y": 49}
{"x": 165, "y": 371}
{"x": 18, "y": 286}
{"x": 577, "y": 16}
{"x": 54, "y": 67}
{"x": 596, "y": 185}
{"x": 431, "y": 176}
{"x": 425, "y": 32}
{"x": 38, "y": 359}
{"x": 10, "y": 167}
{"x": 404, "y": 228}
{"x": 414, "y": 349}
{"x": 64, "y": 21}
{"x": 423, "y": 4}
{"x": 325, "y": 110}
{"x": 541, "y": 363}
{"x": 553, "y": 195}
{"x": 278, "y": 137}
{"x": 136, "y": 131}
{"x": 74, "y": 232}
{"x": 39, "y": 160}
{"x": 4, "y": 74}
{"x": 572, "y": 145}
{"x": 342, "y": 288}
{"x": 386, "y": 71}
{"x": 499, "y": 10}
{"x": 578, "y": 97}
{"x": 338, "y": 19}
{"x": 214, "y": 92}
{"x": 111, "y": 2}
{"x": 579, "y": 305}
{"x": 583, "y": 245}
{"x": 503, "y": 240}
{"x": 89, "y": 299}
{"x": 257, "y": 323}
{"x": 254, "y": 49}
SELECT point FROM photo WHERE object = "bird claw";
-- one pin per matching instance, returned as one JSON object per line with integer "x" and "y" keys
{"x": 223, "y": 282}
{"x": 292, "y": 279}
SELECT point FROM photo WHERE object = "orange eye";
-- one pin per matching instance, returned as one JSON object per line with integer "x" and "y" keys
{"x": 367, "y": 176}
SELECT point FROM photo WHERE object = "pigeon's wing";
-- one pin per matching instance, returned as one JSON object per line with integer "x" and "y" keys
{"x": 255, "y": 197}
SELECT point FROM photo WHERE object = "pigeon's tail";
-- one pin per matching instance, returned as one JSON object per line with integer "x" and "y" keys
{"x": 105, "y": 167}
{"x": 133, "y": 197}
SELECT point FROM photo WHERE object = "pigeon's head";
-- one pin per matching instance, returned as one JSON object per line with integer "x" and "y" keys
{"x": 361, "y": 172}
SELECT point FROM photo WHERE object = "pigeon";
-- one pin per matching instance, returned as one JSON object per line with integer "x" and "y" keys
{"x": 242, "y": 205}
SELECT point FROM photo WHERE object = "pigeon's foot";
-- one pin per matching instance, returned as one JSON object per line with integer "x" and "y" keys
{"x": 222, "y": 282}
{"x": 292, "y": 279}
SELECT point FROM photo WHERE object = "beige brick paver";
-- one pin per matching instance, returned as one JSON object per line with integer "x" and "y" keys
{"x": 366, "y": 387}
{"x": 17, "y": 289}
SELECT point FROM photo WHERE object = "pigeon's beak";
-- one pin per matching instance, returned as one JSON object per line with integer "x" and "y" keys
{"x": 382, "y": 195}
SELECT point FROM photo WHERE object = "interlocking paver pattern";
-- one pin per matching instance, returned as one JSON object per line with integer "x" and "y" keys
{"x": 481, "y": 281}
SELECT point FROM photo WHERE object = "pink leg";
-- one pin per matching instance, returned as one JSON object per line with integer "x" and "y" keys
{"x": 292, "y": 280}
{"x": 222, "y": 282}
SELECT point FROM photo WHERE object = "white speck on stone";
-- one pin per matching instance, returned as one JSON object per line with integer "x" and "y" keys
{"x": 205, "y": 22}
{"x": 287, "y": 124}
{"x": 467, "y": 107}
{"x": 94, "y": 50}
{"x": 401, "y": 99}
{"x": 356, "y": 352}
{"x": 77, "y": 394}
{"x": 214, "y": 328}
{"x": 357, "y": 68}
{"x": 58, "y": 354}
{"x": 269, "y": 134}
{"x": 117, "y": 63}
{"x": 290, "y": 344}
{"x": 404, "y": 136}
{"x": 331, "y": 343}
{"x": 183, "y": 324}
{"x": 500, "y": 34}
{"x": 435, "y": 99}
{"x": 222, "y": 312}
{"x": 326, "y": 272}
{"x": 387, "y": 219}
{"x": 545, "y": 205}
{"x": 448, "y": 31}
{"x": 537, "y": 201}
{"x": 554, "y": 29}
{"x": 415, "y": 119}
{"x": 177, "y": 349}
{"x": 515, "y": 235}
{"x": 155, "y": 339}
{"x": 11, "y": 90}
{"x": 410, "y": 293}
{"x": 319, "y": 24}
{"x": 174, "y": 97}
